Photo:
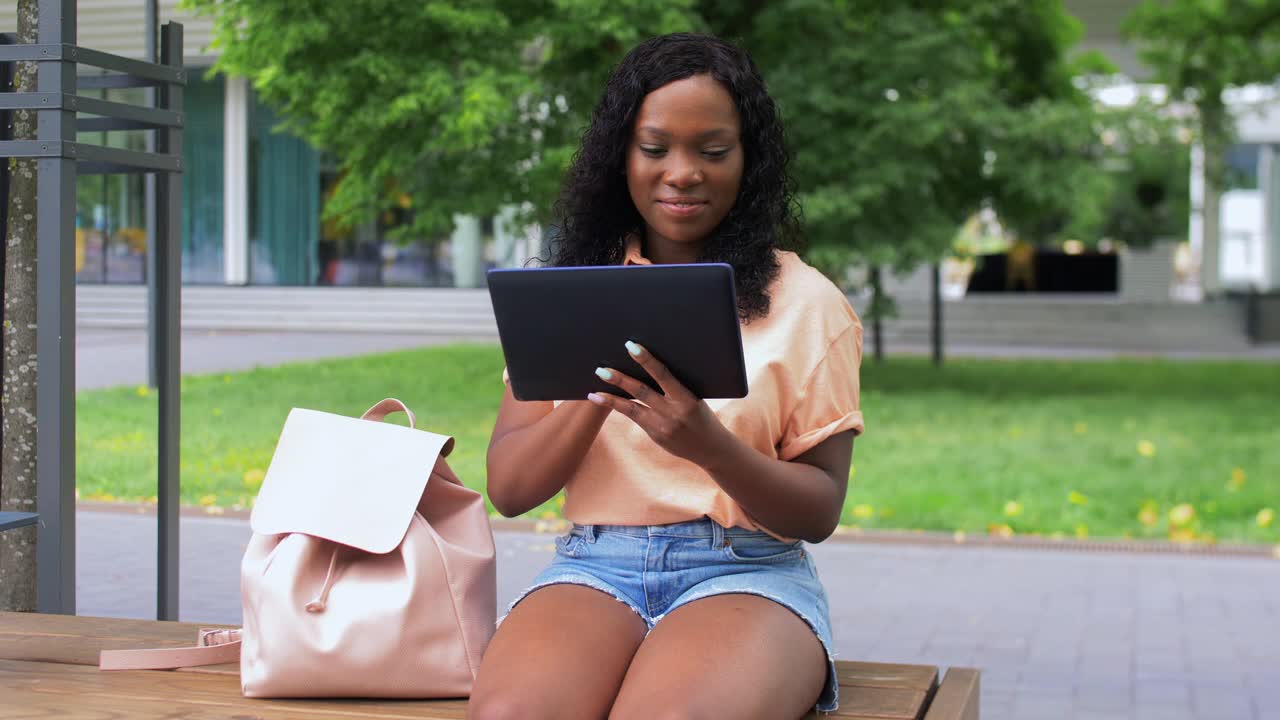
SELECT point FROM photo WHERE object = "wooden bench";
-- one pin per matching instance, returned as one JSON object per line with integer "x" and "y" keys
{"x": 48, "y": 667}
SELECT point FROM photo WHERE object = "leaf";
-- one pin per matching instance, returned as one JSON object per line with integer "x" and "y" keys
{"x": 253, "y": 478}
{"x": 1013, "y": 508}
{"x": 1265, "y": 517}
{"x": 1237, "y": 480}
{"x": 1149, "y": 514}
{"x": 1181, "y": 515}
{"x": 999, "y": 530}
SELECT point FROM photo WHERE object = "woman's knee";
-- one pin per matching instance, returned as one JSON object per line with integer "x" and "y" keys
{"x": 507, "y": 705}
{"x": 661, "y": 709}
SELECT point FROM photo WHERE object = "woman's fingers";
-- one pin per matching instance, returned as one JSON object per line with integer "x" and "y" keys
{"x": 671, "y": 387}
{"x": 630, "y": 385}
{"x": 630, "y": 408}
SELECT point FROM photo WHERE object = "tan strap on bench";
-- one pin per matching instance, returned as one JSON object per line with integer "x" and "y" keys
{"x": 214, "y": 648}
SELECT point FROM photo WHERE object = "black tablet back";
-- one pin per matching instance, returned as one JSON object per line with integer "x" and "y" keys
{"x": 557, "y": 325}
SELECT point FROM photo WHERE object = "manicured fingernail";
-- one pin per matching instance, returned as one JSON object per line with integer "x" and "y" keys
{"x": 633, "y": 348}
{"x": 604, "y": 374}
{"x": 595, "y": 398}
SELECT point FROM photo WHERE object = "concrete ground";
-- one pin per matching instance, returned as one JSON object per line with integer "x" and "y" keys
{"x": 105, "y": 358}
{"x": 1058, "y": 635}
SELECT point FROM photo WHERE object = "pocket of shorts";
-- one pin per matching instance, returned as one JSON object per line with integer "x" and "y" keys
{"x": 569, "y": 545}
{"x": 763, "y": 551}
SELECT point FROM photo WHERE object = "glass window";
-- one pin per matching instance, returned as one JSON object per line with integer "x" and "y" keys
{"x": 1242, "y": 166}
{"x": 370, "y": 254}
{"x": 111, "y": 222}
{"x": 111, "y": 226}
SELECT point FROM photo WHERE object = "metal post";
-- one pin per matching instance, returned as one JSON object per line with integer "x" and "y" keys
{"x": 936, "y": 297}
{"x": 55, "y": 328}
{"x": 149, "y": 28}
{"x": 167, "y": 249}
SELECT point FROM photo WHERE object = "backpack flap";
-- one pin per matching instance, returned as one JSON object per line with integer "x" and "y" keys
{"x": 354, "y": 482}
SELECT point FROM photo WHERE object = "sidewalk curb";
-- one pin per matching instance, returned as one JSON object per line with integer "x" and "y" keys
{"x": 920, "y": 538}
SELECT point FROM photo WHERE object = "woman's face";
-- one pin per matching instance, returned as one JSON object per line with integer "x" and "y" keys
{"x": 684, "y": 165}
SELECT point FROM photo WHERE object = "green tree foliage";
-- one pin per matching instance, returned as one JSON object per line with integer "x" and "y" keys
{"x": 904, "y": 118}
{"x": 1200, "y": 48}
{"x": 463, "y": 106}
{"x": 1147, "y": 190}
{"x": 907, "y": 117}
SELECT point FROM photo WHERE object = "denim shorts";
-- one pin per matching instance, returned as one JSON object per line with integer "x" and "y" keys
{"x": 654, "y": 569}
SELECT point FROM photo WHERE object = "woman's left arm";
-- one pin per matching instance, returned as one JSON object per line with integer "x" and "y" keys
{"x": 800, "y": 498}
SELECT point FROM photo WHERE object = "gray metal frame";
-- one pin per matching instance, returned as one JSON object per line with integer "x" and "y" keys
{"x": 12, "y": 520}
{"x": 60, "y": 159}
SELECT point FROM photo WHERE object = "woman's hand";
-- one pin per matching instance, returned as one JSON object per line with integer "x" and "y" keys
{"x": 675, "y": 419}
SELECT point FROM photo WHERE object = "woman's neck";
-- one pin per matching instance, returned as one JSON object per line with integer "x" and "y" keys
{"x": 661, "y": 251}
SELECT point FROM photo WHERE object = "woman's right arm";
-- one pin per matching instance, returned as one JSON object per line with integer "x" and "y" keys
{"x": 535, "y": 448}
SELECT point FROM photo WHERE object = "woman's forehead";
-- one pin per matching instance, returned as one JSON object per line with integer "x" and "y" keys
{"x": 697, "y": 106}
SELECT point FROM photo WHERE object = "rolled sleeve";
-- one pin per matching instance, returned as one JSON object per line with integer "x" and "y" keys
{"x": 828, "y": 403}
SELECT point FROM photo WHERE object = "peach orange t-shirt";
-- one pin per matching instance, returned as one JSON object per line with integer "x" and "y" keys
{"x": 802, "y": 363}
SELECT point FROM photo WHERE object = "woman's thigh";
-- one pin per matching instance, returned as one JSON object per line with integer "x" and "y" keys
{"x": 725, "y": 656}
{"x": 561, "y": 653}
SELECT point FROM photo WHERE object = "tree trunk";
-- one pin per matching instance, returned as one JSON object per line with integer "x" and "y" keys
{"x": 18, "y": 399}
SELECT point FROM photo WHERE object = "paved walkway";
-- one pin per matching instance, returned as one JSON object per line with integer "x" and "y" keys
{"x": 106, "y": 358}
{"x": 118, "y": 357}
{"x": 1058, "y": 634}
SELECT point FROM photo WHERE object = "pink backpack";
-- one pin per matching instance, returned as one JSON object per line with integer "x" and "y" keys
{"x": 371, "y": 571}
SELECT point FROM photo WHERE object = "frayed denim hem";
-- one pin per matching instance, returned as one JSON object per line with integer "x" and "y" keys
{"x": 585, "y": 581}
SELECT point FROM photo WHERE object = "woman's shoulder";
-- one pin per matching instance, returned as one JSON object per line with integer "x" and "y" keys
{"x": 801, "y": 289}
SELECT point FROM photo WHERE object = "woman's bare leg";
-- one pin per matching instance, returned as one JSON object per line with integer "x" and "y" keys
{"x": 561, "y": 653}
{"x": 727, "y": 656}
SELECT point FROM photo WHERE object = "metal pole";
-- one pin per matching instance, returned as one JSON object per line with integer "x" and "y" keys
{"x": 149, "y": 193}
{"x": 877, "y": 323}
{"x": 167, "y": 279}
{"x": 936, "y": 274}
{"x": 55, "y": 328}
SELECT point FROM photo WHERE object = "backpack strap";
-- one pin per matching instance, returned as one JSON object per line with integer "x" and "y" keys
{"x": 214, "y": 647}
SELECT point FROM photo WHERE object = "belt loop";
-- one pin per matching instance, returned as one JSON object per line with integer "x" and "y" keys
{"x": 589, "y": 533}
{"x": 717, "y": 535}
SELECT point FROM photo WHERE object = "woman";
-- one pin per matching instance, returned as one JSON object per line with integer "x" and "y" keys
{"x": 684, "y": 589}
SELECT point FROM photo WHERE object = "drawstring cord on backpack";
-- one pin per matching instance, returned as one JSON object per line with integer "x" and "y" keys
{"x": 317, "y": 604}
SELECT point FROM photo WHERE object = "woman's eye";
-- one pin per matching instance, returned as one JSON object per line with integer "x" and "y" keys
{"x": 652, "y": 151}
{"x": 718, "y": 153}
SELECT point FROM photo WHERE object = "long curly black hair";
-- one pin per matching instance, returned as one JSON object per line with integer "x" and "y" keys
{"x": 595, "y": 212}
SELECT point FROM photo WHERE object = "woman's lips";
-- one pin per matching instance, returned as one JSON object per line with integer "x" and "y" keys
{"x": 682, "y": 208}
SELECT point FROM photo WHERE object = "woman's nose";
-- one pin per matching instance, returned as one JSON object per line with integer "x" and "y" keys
{"x": 683, "y": 172}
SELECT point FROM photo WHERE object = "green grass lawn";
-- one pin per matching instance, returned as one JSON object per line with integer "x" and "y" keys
{"x": 1188, "y": 450}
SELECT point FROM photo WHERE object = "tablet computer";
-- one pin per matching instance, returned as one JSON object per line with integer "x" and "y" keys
{"x": 557, "y": 325}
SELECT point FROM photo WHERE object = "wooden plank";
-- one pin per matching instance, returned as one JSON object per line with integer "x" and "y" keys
{"x": 957, "y": 697}
{"x": 59, "y": 690}
{"x": 77, "y": 640}
{"x": 868, "y": 691}
{"x": 868, "y": 703}
{"x": 923, "y": 678}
